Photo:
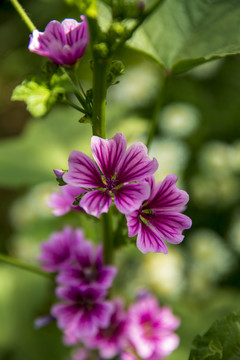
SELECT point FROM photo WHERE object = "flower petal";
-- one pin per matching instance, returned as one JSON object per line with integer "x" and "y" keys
{"x": 64, "y": 314}
{"x": 149, "y": 240}
{"x": 136, "y": 164}
{"x": 108, "y": 152}
{"x": 133, "y": 223}
{"x": 83, "y": 172}
{"x": 129, "y": 197}
{"x": 169, "y": 226}
{"x": 167, "y": 197}
{"x": 96, "y": 202}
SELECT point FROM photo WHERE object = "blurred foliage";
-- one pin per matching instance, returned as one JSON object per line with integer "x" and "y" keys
{"x": 198, "y": 138}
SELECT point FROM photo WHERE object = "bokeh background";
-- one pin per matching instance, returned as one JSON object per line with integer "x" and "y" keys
{"x": 198, "y": 138}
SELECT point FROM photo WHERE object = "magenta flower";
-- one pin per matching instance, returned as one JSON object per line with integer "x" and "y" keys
{"x": 64, "y": 43}
{"x": 117, "y": 173}
{"x": 159, "y": 217}
{"x": 62, "y": 201}
{"x": 82, "y": 312}
{"x": 88, "y": 268}
{"x": 111, "y": 340}
{"x": 150, "y": 329}
{"x": 60, "y": 248}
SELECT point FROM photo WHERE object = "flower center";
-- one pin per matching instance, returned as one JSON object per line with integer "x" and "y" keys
{"x": 90, "y": 274}
{"x": 147, "y": 326}
{"x": 110, "y": 183}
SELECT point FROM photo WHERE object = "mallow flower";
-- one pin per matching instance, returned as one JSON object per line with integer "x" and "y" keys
{"x": 59, "y": 250}
{"x": 87, "y": 268}
{"x": 150, "y": 329}
{"x": 64, "y": 43}
{"x": 82, "y": 311}
{"x": 159, "y": 216}
{"x": 62, "y": 201}
{"x": 117, "y": 173}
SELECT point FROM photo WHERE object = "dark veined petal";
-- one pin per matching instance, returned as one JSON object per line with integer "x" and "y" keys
{"x": 83, "y": 171}
{"x": 149, "y": 240}
{"x": 167, "y": 197}
{"x": 108, "y": 152}
{"x": 96, "y": 202}
{"x": 129, "y": 197}
{"x": 136, "y": 164}
{"x": 169, "y": 226}
{"x": 133, "y": 223}
{"x": 50, "y": 42}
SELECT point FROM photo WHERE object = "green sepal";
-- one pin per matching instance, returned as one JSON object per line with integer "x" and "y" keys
{"x": 40, "y": 95}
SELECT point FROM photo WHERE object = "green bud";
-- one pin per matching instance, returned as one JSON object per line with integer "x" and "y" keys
{"x": 101, "y": 49}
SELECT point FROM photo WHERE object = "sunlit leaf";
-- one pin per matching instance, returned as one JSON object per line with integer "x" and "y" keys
{"x": 182, "y": 34}
{"x": 220, "y": 342}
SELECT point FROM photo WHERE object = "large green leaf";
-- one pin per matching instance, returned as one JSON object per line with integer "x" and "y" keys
{"x": 221, "y": 341}
{"x": 183, "y": 33}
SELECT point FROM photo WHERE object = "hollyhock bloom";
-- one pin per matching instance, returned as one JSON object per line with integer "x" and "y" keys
{"x": 111, "y": 340}
{"x": 60, "y": 248}
{"x": 83, "y": 311}
{"x": 64, "y": 43}
{"x": 116, "y": 174}
{"x": 159, "y": 217}
{"x": 62, "y": 201}
{"x": 150, "y": 329}
{"x": 88, "y": 268}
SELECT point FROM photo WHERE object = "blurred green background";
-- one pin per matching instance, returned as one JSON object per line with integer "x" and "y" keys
{"x": 198, "y": 139}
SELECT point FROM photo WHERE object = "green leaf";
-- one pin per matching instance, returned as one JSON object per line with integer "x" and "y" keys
{"x": 37, "y": 96}
{"x": 220, "y": 342}
{"x": 182, "y": 34}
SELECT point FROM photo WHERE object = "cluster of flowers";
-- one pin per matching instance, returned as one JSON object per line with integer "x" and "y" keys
{"x": 125, "y": 176}
{"x": 87, "y": 317}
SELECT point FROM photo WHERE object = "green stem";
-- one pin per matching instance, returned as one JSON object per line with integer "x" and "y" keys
{"x": 99, "y": 97}
{"x": 76, "y": 90}
{"x": 158, "y": 107}
{"x": 23, "y": 15}
{"x": 107, "y": 238}
{"x": 9, "y": 260}
{"x": 79, "y": 108}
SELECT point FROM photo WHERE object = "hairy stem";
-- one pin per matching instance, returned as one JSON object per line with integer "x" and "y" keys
{"x": 107, "y": 238}
{"x": 99, "y": 98}
{"x": 23, "y": 15}
{"x": 21, "y": 265}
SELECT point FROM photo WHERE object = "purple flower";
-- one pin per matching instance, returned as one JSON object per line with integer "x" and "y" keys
{"x": 84, "y": 310}
{"x": 150, "y": 329}
{"x": 116, "y": 174}
{"x": 88, "y": 268}
{"x": 58, "y": 173}
{"x": 60, "y": 248}
{"x": 62, "y": 202}
{"x": 111, "y": 340}
{"x": 159, "y": 217}
{"x": 64, "y": 43}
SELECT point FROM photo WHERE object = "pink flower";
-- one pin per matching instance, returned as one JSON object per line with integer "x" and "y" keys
{"x": 60, "y": 248}
{"x": 88, "y": 268}
{"x": 159, "y": 217}
{"x": 111, "y": 340}
{"x": 64, "y": 43}
{"x": 117, "y": 173}
{"x": 82, "y": 312}
{"x": 62, "y": 201}
{"x": 150, "y": 329}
